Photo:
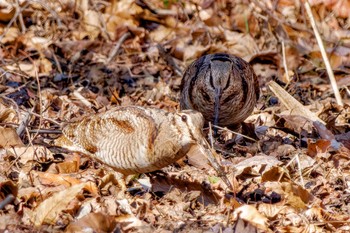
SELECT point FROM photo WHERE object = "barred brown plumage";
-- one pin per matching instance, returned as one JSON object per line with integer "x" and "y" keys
{"x": 135, "y": 139}
{"x": 223, "y": 87}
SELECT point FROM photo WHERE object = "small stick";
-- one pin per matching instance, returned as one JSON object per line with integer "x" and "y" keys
{"x": 347, "y": 90}
{"x": 82, "y": 98}
{"x": 218, "y": 127}
{"x": 23, "y": 124}
{"x": 45, "y": 131}
{"x": 45, "y": 118}
{"x": 20, "y": 17}
{"x": 117, "y": 46}
{"x": 5, "y": 31}
{"x": 211, "y": 135}
{"x": 169, "y": 59}
{"x": 324, "y": 55}
{"x": 285, "y": 62}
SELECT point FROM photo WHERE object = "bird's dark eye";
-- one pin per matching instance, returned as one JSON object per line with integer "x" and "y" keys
{"x": 184, "y": 118}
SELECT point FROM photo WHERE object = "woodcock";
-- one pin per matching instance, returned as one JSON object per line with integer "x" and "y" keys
{"x": 135, "y": 139}
{"x": 223, "y": 87}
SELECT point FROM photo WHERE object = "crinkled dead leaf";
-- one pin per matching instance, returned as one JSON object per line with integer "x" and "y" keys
{"x": 344, "y": 139}
{"x": 66, "y": 180}
{"x": 161, "y": 33}
{"x": 318, "y": 148}
{"x": 194, "y": 51}
{"x": 340, "y": 7}
{"x": 251, "y": 215}
{"x": 271, "y": 211}
{"x": 7, "y": 114}
{"x": 45, "y": 66}
{"x": 298, "y": 124}
{"x": 294, "y": 106}
{"x": 27, "y": 68}
{"x": 11, "y": 35}
{"x": 93, "y": 222}
{"x": 69, "y": 165}
{"x": 7, "y": 11}
{"x": 293, "y": 195}
{"x": 47, "y": 212}
{"x": 275, "y": 174}
{"x": 31, "y": 153}
{"x": 91, "y": 24}
{"x": 242, "y": 45}
{"x": 256, "y": 165}
{"x": 9, "y": 138}
{"x": 7, "y": 187}
{"x": 316, "y": 213}
{"x": 197, "y": 158}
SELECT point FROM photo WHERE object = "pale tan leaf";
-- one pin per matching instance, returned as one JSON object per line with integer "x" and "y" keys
{"x": 47, "y": 212}
{"x": 294, "y": 106}
{"x": 92, "y": 24}
{"x": 256, "y": 165}
{"x": 10, "y": 36}
{"x": 251, "y": 215}
{"x": 197, "y": 158}
{"x": 9, "y": 138}
{"x": 29, "y": 153}
{"x": 94, "y": 222}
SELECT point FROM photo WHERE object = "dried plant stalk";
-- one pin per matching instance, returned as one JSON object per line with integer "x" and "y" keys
{"x": 324, "y": 55}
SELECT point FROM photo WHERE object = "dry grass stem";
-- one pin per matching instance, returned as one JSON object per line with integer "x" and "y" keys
{"x": 324, "y": 55}
{"x": 117, "y": 46}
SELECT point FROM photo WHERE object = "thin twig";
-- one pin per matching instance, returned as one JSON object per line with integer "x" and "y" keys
{"x": 324, "y": 55}
{"x": 211, "y": 135}
{"x": 23, "y": 124}
{"x": 347, "y": 90}
{"x": 20, "y": 17}
{"x": 215, "y": 164}
{"x": 52, "y": 12}
{"x": 40, "y": 100}
{"x": 45, "y": 131}
{"x": 296, "y": 158}
{"x": 117, "y": 46}
{"x": 285, "y": 63}
{"x": 82, "y": 98}
{"x": 13, "y": 20}
{"x": 102, "y": 22}
{"x": 45, "y": 118}
{"x": 169, "y": 59}
{"x": 299, "y": 170}
{"x": 218, "y": 127}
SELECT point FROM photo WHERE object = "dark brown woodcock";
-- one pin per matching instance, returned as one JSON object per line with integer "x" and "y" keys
{"x": 223, "y": 87}
{"x": 135, "y": 139}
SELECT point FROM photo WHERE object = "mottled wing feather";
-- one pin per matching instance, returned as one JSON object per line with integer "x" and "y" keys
{"x": 121, "y": 137}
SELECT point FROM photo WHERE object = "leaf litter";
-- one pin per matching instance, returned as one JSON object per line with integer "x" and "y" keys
{"x": 62, "y": 60}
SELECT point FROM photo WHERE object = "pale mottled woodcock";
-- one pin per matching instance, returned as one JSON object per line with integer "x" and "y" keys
{"x": 135, "y": 139}
{"x": 223, "y": 87}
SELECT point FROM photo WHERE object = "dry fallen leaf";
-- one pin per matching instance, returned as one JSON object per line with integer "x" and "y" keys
{"x": 93, "y": 222}
{"x": 256, "y": 165}
{"x": 31, "y": 153}
{"x": 251, "y": 215}
{"x": 294, "y": 106}
{"x": 47, "y": 212}
{"x": 9, "y": 138}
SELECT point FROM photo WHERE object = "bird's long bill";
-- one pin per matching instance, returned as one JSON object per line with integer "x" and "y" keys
{"x": 217, "y": 106}
{"x": 209, "y": 152}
